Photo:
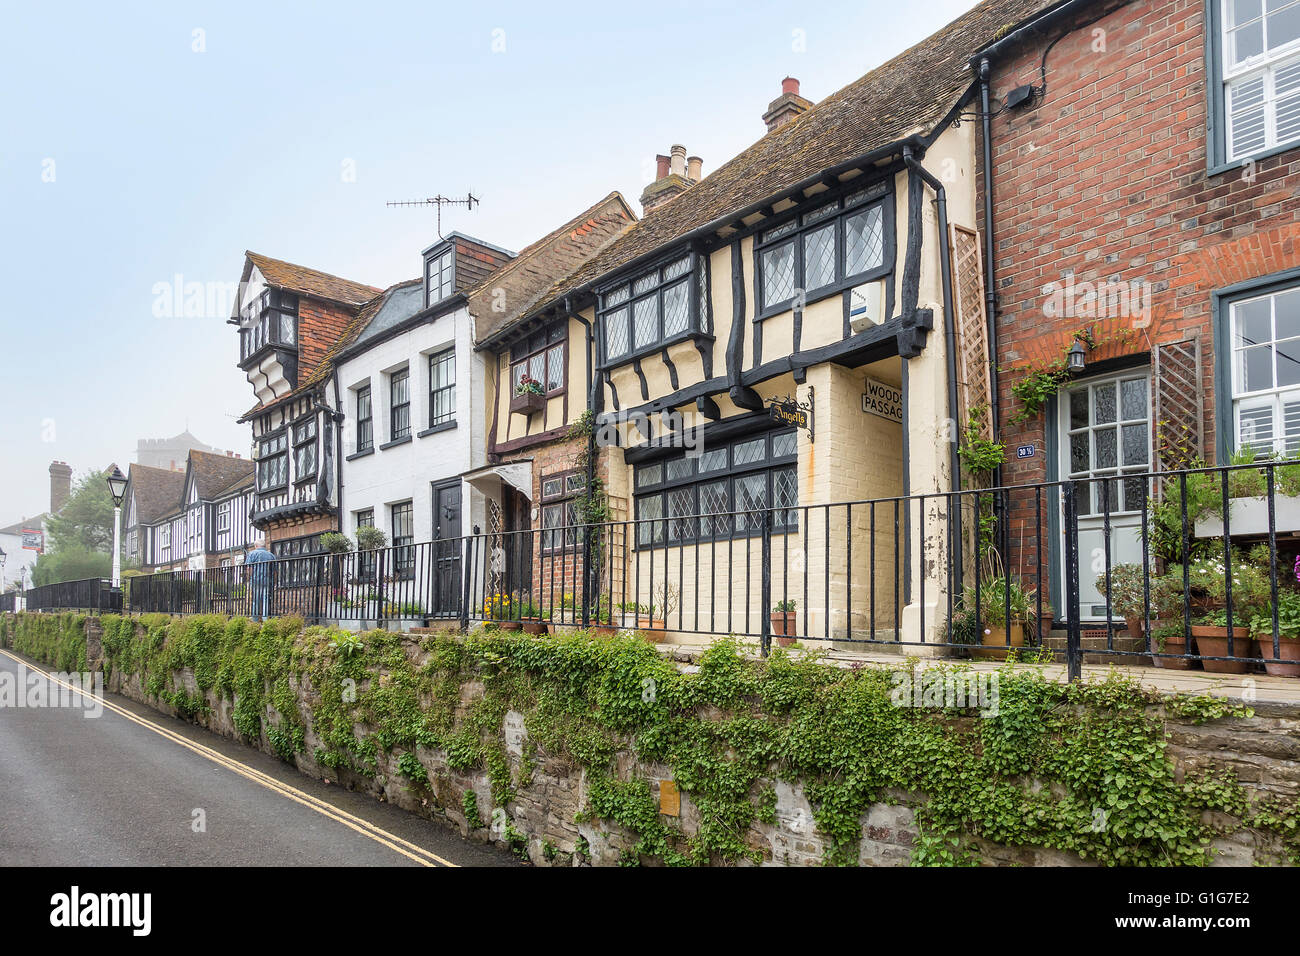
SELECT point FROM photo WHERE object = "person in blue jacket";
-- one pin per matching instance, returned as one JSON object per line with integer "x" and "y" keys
{"x": 258, "y": 561}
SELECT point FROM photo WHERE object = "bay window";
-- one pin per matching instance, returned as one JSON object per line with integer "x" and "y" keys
{"x": 273, "y": 462}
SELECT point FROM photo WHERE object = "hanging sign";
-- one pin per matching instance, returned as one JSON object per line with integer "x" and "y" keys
{"x": 33, "y": 540}
{"x": 791, "y": 411}
{"x": 883, "y": 400}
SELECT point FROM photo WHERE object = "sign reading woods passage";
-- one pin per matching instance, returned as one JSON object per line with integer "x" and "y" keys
{"x": 883, "y": 400}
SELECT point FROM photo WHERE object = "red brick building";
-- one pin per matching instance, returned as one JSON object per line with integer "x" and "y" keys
{"x": 1146, "y": 200}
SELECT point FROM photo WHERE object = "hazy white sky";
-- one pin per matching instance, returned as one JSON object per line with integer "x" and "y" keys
{"x": 141, "y": 142}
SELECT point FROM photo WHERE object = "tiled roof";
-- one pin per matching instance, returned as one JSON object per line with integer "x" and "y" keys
{"x": 300, "y": 279}
{"x": 156, "y": 491}
{"x": 213, "y": 474}
{"x": 27, "y": 524}
{"x": 510, "y": 292}
{"x": 908, "y": 95}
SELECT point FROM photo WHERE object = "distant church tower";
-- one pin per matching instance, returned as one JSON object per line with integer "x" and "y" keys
{"x": 171, "y": 453}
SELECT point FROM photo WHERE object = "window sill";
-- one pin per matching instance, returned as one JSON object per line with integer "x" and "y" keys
{"x": 394, "y": 443}
{"x": 628, "y": 359}
{"x": 361, "y": 454}
{"x": 1235, "y": 165}
{"x": 434, "y": 429}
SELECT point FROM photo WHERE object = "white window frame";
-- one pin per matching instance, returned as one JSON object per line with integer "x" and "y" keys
{"x": 1264, "y": 65}
{"x": 1271, "y": 398}
{"x": 1093, "y": 474}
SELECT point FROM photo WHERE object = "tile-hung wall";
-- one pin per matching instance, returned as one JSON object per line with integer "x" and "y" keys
{"x": 1184, "y": 247}
{"x": 670, "y": 333}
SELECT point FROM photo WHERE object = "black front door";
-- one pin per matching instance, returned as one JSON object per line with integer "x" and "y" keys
{"x": 446, "y": 549}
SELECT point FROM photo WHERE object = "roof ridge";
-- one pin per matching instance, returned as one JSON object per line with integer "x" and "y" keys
{"x": 298, "y": 265}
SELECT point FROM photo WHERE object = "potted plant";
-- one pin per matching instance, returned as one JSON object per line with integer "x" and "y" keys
{"x": 529, "y": 397}
{"x": 1000, "y": 632}
{"x": 1248, "y": 508}
{"x": 1250, "y": 592}
{"x": 370, "y": 538}
{"x": 653, "y": 618}
{"x": 602, "y": 619}
{"x": 784, "y": 627}
{"x": 1288, "y": 633}
{"x": 500, "y": 609}
{"x": 532, "y": 618}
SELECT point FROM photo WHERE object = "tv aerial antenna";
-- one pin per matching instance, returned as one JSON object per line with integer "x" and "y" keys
{"x": 470, "y": 201}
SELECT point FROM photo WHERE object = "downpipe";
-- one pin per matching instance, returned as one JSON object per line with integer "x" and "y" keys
{"x": 950, "y": 339}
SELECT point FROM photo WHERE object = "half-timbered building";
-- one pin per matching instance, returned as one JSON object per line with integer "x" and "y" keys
{"x": 289, "y": 317}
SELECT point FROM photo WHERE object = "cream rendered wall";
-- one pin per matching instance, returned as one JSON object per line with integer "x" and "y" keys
{"x": 930, "y": 429}
{"x": 515, "y": 425}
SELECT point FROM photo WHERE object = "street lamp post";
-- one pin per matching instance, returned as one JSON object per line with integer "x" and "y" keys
{"x": 117, "y": 488}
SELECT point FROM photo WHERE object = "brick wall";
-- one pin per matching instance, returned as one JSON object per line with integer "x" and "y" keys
{"x": 1107, "y": 181}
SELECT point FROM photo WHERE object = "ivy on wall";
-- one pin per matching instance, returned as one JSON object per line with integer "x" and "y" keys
{"x": 1079, "y": 768}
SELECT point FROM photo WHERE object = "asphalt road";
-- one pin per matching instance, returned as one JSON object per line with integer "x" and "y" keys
{"x": 123, "y": 788}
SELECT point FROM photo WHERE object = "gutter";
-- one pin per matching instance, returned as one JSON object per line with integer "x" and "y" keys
{"x": 1043, "y": 19}
{"x": 950, "y": 339}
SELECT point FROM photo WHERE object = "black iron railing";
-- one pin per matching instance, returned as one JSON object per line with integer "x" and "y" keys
{"x": 1128, "y": 567}
{"x": 8, "y": 601}
{"x": 92, "y": 594}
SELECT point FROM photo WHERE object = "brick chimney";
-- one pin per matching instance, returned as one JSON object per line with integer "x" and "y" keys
{"x": 60, "y": 485}
{"x": 675, "y": 174}
{"x": 787, "y": 106}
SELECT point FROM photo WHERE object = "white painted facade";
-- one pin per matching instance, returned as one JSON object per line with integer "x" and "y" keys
{"x": 393, "y": 473}
{"x": 18, "y": 561}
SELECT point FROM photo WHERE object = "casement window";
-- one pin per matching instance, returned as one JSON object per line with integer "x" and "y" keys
{"x": 273, "y": 463}
{"x": 442, "y": 388}
{"x": 399, "y": 405}
{"x": 559, "y": 519}
{"x": 541, "y": 356}
{"x": 164, "y": 542}
{"x": 365, "y": 420}
{"x": 297, "y": 567}
{"x": 654, "y": 309}
{"x": 824, "y": 250}
{"x": 1264, "y": 330}
{"x": 720, "y": 493}
{"x": 1257, "y": 59}
{"x": 270, "y": 319}
{"x": 403, "y": 533}
{"x": 304, "y": 450}
{"x": 439, "y": 272}
{"x": 223, "y": 516}
{"x": 1108, "y": 436}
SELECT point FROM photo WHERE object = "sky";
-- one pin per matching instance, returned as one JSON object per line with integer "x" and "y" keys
{"x": 145, "y": 146}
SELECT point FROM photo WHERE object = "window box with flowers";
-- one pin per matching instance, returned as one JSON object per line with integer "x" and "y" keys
{"x": 529, "y": 397}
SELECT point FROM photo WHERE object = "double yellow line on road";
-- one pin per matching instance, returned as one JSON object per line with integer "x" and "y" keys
{"x": 364, "y": 827}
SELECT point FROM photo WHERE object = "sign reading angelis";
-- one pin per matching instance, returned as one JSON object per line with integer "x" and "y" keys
{"x": 791, "y": 411}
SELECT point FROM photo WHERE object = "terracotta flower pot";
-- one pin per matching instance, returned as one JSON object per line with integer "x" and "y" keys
{"x": 1174, "y": 644}
{"x": 508, "y": 625}
{"x": 994, "y": 642}
{"x": 533, "y": 625}
{"x": 1213, "y": 642}
{"x": 608, "y": 630}
{"x": 1288, "y": 649}
{"x": 784, "y": 627}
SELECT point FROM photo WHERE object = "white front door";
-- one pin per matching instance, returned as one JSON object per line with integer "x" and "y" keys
{"x": 1105, "y": 435}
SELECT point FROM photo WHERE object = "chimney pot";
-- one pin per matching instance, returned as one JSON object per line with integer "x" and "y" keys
{"x": 661, "y": 166}
{"x": 694, "y": 166}
{"x": 787, "y": 106}
{"x": 790, "y": 85}
{"x": 677, "y": 165}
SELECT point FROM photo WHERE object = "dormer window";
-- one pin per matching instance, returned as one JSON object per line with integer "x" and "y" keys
{"x": 652, "y": 310}
{"x": 439, "y": 277}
